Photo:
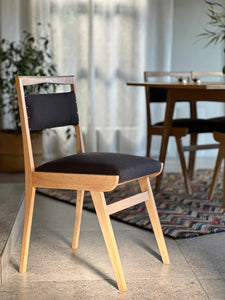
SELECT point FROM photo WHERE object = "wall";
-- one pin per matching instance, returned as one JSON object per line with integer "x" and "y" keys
{"x": 190, "y": 18}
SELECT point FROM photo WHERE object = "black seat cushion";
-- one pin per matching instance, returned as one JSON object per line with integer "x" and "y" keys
{"x": 128, "y": 167}
{"x": 194, "y": 126}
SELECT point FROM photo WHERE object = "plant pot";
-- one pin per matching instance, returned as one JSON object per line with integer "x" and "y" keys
{"x": 11, "y": 150}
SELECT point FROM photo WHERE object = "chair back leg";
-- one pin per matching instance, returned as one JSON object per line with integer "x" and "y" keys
{"x": 28, "y": 216}
{"x": 107, "y": 230}
{"x": 224, "y": 186}
{"x": 78, "y": 216}
{"x": 220, "y": 157}
{"x": 154, "y": 218}
{"x": 148, "y": 145}
{"x": 183, "y": 166}
{"x": 191, "y": 164}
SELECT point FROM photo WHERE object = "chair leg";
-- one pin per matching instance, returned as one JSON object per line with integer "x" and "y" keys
{"x": 154, "y": 218}
{"x": 107, "y": 230}
{"x": 149, "y": 139}
{"x": 183, "y": 166}
{"x": 224, "y": 185}
{"x": 219, "y": 159}
{"x": 78, "y": 216}
{"x": 192, "y": 156}
{"x": 28, "y": 216}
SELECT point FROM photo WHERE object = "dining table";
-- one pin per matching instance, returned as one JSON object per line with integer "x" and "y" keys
{"x": 201, "y": 91}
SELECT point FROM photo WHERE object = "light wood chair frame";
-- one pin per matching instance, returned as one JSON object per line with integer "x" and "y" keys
{"x": 177, "y": 132}
{"x": 96, "y": 184}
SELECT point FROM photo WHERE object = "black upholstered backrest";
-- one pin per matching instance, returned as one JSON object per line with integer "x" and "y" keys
{"x": 158, "y": 94}
{"x": 51, "y": 110}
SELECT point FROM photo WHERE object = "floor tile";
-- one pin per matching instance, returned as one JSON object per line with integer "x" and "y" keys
{"x": 205, "y": 255}
{"x": 154, "y": 288}
{"x": 215, "y": 288}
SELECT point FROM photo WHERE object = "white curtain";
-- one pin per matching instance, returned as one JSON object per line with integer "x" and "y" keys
{"x": 105, "y": 44}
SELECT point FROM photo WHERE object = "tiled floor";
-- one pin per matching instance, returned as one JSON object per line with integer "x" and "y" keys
{"x": 55, "y": 271}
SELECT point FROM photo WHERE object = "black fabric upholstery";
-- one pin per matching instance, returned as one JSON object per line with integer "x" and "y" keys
{"x": 158, "y": 94}
{"x": 218, "y": 124}
{"x": 128, "y": 167}
{"x": 51, "y": 110}
{"x": 194, "y": 126}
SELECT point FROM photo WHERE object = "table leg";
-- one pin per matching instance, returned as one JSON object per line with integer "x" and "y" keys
{"x": 166, "y": 133}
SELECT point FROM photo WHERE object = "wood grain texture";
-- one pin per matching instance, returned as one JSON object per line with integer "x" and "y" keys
{"x": 75, "y": 181}
{"x": 127, "y": 202}
{"x": 78, "y": 216}
{"x": 107, "y": 231}
{"x": 154, "y": 218}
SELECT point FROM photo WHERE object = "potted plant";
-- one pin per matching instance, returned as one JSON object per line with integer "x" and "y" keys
{"x": 30, "y": 56}
{"x": 215, "y": 33}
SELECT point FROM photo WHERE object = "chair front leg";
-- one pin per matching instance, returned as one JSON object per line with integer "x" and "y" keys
{"x": 28, "y": 216}
{"x": 154, "y": 218}
{"x": 107, "y": 230}
{"x": 78, "y": 216}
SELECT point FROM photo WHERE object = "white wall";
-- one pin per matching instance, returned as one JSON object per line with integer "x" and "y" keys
{"x": 189, "y": 53}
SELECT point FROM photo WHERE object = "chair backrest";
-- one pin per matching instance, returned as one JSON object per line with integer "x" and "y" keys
{"x": 51, "y": 110}
{"x": 197, "y": 76}
{"x": 41, "y": 111}
{"x": 160, "y": 94}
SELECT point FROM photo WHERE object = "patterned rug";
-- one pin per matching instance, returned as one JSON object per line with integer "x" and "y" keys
{"x": 181, "y": 215}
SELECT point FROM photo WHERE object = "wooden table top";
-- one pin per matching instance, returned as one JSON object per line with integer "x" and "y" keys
{"x": 173, "y": 85}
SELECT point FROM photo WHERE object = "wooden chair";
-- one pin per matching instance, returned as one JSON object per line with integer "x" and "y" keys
{"x": 197, "y": 76}
{"x": 94, "y": 172}
{"x": 180, "y": 127}
{"x": 218, "y": 128}
{"x": 212, "y": 123}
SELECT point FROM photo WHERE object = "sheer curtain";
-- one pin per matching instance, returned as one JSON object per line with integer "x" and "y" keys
{"x": 104, "y": 44}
